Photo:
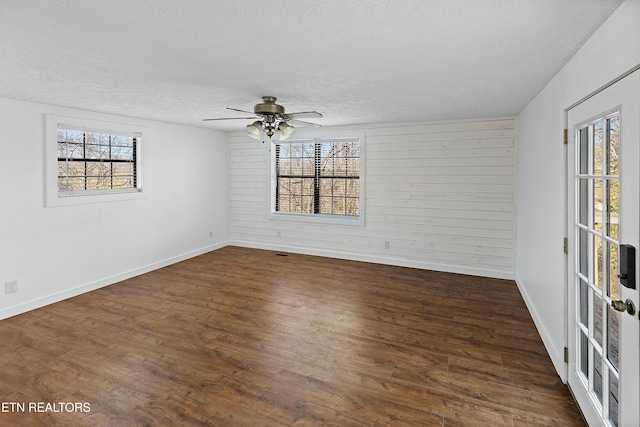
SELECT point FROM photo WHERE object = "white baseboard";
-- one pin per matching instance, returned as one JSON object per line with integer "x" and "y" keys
{"x": 400, "y": 262}
{"x": 556, "y": 354}
{"x": 69, "y": 293}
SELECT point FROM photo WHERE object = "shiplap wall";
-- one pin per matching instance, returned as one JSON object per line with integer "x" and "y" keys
{"x": 440, "y": 193}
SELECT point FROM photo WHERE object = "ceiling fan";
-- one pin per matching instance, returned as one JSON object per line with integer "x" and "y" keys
{"x": 271, "y": 118}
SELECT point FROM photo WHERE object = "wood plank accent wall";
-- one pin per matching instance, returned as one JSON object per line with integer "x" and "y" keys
{"x": 441, "y": 193}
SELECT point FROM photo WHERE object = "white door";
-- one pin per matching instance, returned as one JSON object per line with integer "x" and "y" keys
{"x": 603, "y": 214}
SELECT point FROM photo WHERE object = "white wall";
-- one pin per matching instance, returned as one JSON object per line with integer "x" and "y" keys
{"x": 58, "y": 252}
{"x": 441, "y": 194}
{"x": 541, "y": 218}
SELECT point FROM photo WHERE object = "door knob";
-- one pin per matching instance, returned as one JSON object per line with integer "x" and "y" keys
{"x": 627, "y": 306}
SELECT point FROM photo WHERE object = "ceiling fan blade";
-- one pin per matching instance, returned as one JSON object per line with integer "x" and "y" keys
{"x": 242, "y": 111}
{"x": 303, "y": 123}
{"x": 304, "y": 115}
{"x": 231, "y": 118}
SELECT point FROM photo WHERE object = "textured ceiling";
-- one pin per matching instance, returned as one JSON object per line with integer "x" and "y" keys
{"x": 354, "y": 61}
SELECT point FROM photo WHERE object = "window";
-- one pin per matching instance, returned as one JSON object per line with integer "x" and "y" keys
{"x": 95, "y": 161}
{"x": 318, "y": 178}
{"x": 92, "y": 161}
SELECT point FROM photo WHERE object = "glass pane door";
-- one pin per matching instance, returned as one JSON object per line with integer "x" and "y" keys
{"x": 598, "y": 200}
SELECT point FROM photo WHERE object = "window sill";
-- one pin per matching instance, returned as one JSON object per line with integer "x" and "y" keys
{"x": 318, "y": 219}
{"x": 67, "y": 199}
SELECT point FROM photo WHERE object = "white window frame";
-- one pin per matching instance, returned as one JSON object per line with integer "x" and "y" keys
{"x": 54, "y": 197}
{"x": 310, "y": 135}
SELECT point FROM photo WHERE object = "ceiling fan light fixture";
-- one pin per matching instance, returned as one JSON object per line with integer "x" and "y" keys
{"x": 254, "y": 130}
{"x": 285, "y": 130}
{"x": 271, "y": 119}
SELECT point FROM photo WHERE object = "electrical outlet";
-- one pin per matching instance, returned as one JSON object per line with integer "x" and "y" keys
{"x": 10, "y": 287}
{"x": 387, "y": 245}
{"x": 211, "y": 234}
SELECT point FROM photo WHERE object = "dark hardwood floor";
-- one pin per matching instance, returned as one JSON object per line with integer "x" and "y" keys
{"x": 245, "y": 337}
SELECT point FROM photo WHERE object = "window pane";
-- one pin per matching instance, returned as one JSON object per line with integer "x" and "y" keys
{"x": 613, "y": 336}
{"x": 584, "y": 252}
{"x": 122, "y": 141}
{"x": 63, "y": 169}
{"x": 98, "y": 183}
{"x": 613, "y": 271}
{"x": 597, "y": 375}
{"x": 122, "y": 181}
{"x": 283, "y": 150}
{"x": 326, "y": 205}
{"x": 70, "y": 151}
{"x": 584, "y": 303}
{"x": 307, "y": 204}
{"x": 282, "y": 203}
{"x": 310, "y": 149}
{"x": 308, "y": 166}
{"x": 104, "y": 139}
{"x": 341, "y": 168}
{"x": 327, "y": 149}
{"x": 338, "y": 187}
{"x": 353, "y": 206}
{"x": 613, "y": 229}
{"x": 584, "y": 354}
{"x": 122, "y": 168}
{"x": 613, "y": 205}
{"x": 597, "y": 262}
{"x": 583, "y": 209}
{"x": 292, "y": 167}
{"x": 613, "y": 400}
{"x": 97, "y": 152}
{"x": 597, "y": 318}
{"x": 76, "y": 136}
{"x": 597, "y": 204}
{"x": 283, "y": 167}
{"x": 613, "y": 144}
{"x": 339, "y": 206}
{"x": 598, "y": 133}
{"x": 327, "y": 166}
{"x": 98, "y": 169}
{"x": 72, "y": 169}
{"x": 296, "y": 186}
{"x": 121, "y": 153}
{"x": 354, "y": 167}
{"x": 62, "y": 150}
{"x": 71, "y": 184}
{"x": 307, "y": 187}
{"x": 583, "y": 162}
{"x": 94, "y": 139}
{"x": 286, "y": 190}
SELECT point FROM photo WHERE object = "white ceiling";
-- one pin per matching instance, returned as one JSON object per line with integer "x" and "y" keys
{"x": 354, "y": 61}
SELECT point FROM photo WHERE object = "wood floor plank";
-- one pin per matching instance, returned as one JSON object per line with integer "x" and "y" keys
{"x": 247, "y": 337}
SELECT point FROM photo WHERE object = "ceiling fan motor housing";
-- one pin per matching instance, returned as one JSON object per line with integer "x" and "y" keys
{"x": 268, "y": 107}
